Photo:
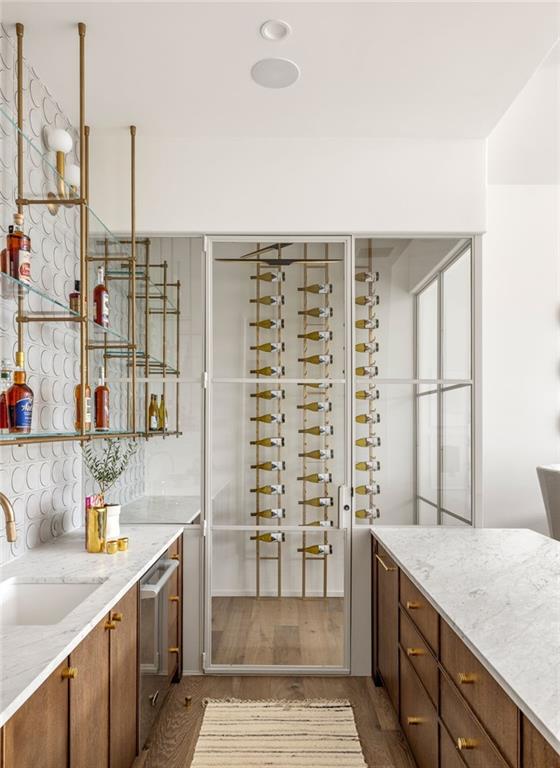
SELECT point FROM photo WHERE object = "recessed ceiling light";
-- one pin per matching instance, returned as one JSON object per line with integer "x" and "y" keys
{"x": 275, "y": 73}
{"x": 274, "y": 29}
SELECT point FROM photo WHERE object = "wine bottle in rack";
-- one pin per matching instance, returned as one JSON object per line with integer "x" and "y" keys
{"x": 322, "y": 454}
{"x": 317, "y": 288}
{"x": 270, "y": 324}
{"x": 270, "y": 277}
{"x": 318, "y": 431}
{"x": 367, "y": 301}
{"x": 270, "y": 418}
{"x": 368, "y": 394}
{"x": 320, "y": 407}
{"x": 270, "y": 394}
{"x": 317, "y": 477}
{"x": 367, "y": 514}
{"x": 366, "y": 277}
{"x": 368, "y": 324}
{"x": 270, "y": 514}
{"x": 315, "y": 384}
{"x": 368, "y": 418}
{"x": 270, "y": 466}
{"x": 273, "y": 536}
{"x": 320, "y": 523}
{"x": 316, "y": 359}
{"x": 370, "y": 346}
{"x": 270, "y": 346}
{"x": 269, "y": 301}
{"x": 316, "y": 335}
{"x": 269, "y": 442}
{"x": 365, "y": 370}
{"x": 317, "y": 549}
{"x": 270, "y": 490}
{"x": 371, "y": 465}
{"x": 318, "y": 501}
{"x": 370, "y": 489}
{"x": 269, "y": 370}
{"x": 317, "y": 312}
{"x": 373, "y": 441}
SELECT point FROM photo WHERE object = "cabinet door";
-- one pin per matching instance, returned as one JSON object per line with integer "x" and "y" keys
{"x": 387, "y": 618}
{"x": 123, "y": 681}
{"x": 536, "y": 750}
{"x": 37, "y": 735}
{"x": 418, "y": 718}
{"x": 89, "y": 701}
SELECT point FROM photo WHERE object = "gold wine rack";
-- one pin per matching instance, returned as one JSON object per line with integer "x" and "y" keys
{"x": 367, "y": 393}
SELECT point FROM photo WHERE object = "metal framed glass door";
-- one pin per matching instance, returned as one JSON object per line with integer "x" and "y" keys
{"x": 278, "y": 444}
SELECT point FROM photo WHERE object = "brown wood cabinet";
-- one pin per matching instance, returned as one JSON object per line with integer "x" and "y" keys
{"x": 386, "y": 611}
{"x": 418, "y": 717}
{"x": 537, "y": 751}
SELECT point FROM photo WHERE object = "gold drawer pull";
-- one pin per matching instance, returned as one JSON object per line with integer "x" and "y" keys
{"x": 69, "y": 673}
{"x": 415, "y": 652}
{"x": 175, "y": 557}
{"x": 173, "y": 650}
{"x": 412, "y": 606}
{"x": 414, "y": 720}
{"x": 463, "y": 743}
{"x": 384, "y": 564}
{"x": 117, "y": 616}
{"x": 110, "y": 625}
{"x": 174, "y": 598}
{"x": 466, "y": 678}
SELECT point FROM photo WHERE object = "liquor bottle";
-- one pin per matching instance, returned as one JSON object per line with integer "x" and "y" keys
{"x": 368, "y": 466}
{"x": 18, "y": 246}
{"x": 319, "y": 430}
{"x": 269, "y": 324}
{"x": 101, "y": 403}
{"x": 87, "y": 408}
{"x": 371, "y": 489}
{"x": 269, "y": 537}
{"x": 368, "y": 324}
{"x": 153, "y": 414}
{"x": 162, "y": 414}
{"x": 270, "y": 346}
{"x": 368, "y": 418}
{"x": 5, "y": 265}
{"x": 269, "y": 442}
{"x": 316, "y": 359}
{"x": 317, "y": 312}
{"x": 367, "y": 394}
{"x": 74, "y": 298}
{"x": 270, "y": 301}
{"x": 270, "y": 418}
{"x": 317, "y": 288}
{"x": 5, "y": 384}
{"x": 19, "y": 399}
{"x": 318, "y": 501}
{"x": 317, "y": 549}
{"x": 270, "y": 394}
{"x": 270, "y": 466}
{"x": 367, "y": 514}
{"x": 367, "y": 277}
{"x": 367, "y": 370}
{"x": 370, "y": 346}
{"x": 322, "y": 454}
{"x": 269, "y": 370}
{"x": 321, "y": 407}
{"x": 274, "y": 514}
{"x": 367, "y": 301}
{"x": 368, "y": 442}
{"x": 101, "y": 301}
{"x": 270, "y": 277}
{"x": 320, "y": 523}
{"x": 316, "y": 335}
{"x": 270, "y": 490}
{"x": 317, "y": 477}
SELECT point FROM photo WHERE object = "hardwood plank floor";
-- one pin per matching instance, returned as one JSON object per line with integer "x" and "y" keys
{"x": 174, "y": 736}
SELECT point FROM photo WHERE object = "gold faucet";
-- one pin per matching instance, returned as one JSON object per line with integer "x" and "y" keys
{"x": 10, "y": 518}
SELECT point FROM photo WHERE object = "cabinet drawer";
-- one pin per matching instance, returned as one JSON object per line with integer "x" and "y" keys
{"x": 420, "y": 611}
{"x": 536, "y": 750}
{"x": 418, "y": 717}
{"x": 449, "y": 755}
{"x": 493, "y": 707}
{"x": 474, "y": 745}
{"x": 419, "y": 655}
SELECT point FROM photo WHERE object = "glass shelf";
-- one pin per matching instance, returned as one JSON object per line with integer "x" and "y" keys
{"x": 156, "y": 293}
{"x": 50, "y": 435}
{"x": 11, "y": 286}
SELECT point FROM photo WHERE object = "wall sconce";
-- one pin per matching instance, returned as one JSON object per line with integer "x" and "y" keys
{"x": 59, "y": 141}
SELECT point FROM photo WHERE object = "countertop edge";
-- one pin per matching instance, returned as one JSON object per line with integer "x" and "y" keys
{"x": 546, "y": 733}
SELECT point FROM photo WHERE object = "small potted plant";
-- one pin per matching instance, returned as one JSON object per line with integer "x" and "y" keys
{"x": 105, "y": 463}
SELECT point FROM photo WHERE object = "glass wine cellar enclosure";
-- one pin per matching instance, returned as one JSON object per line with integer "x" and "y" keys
{"x": 339, "y": 394}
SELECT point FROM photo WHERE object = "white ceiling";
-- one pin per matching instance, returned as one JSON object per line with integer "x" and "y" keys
{"x": 382, "y": 70}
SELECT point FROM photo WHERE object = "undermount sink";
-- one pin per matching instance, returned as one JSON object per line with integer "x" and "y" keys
{"x": 27, "y": 601}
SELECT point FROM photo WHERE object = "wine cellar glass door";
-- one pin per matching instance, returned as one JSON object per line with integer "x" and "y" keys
{"x": 278, "y": 454}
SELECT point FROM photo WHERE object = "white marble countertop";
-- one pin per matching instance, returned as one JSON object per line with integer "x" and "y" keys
{"x": 162, "y": 509}
{"x": 499, "y": 589}
{"x": 28, "y": 654}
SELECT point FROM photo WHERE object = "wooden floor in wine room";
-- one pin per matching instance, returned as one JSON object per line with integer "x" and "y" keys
{"x": 278, "y": 630}
{"x": 175, "y": 734}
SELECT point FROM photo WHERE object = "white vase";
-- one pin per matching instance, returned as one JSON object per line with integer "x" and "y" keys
{"x": 113, "y": 529}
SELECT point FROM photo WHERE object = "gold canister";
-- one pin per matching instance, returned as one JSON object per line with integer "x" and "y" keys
{"x": 112, "y": 546}
{"x": 96, "y": 522}
{"x": 123, "y": 543}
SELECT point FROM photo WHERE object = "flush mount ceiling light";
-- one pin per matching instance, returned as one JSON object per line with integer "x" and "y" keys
{"x": 274, "y": 29}
{"x": 275, "y": 73}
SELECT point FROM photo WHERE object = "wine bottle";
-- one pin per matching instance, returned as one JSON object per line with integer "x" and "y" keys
{"x": 367, "y": 370}
{"x": 317, "y": 549}
{"x": 321, "y": 407}
{"x": 269, "y": 370}
{"x": 317, "y": 477}
{"x": 270, "y": 346}
{"x": 320, "y": 523}
{"x": 318, "y": 501}
{"x": 275, "y": 514}
{"x": 367, "y": 514}
{"x": 370, "y": 346}
{"x": 270, "y": 301}
{"x": 316, "y": 335}
{"x": 270, "y": 418}
{"x": 367, "y": 277}
{"x": 275, "y": 536}
{"x": 153, "y": 413}
{"x": 368, "y": 442}
{"x": 269, "y": 324}
{"x": 368, "y": 418}
{"x": 270, "y": 466}
{"x": 368, "y": 324}
{"x": 317, "y": 288}
{"x": 316, "y": 359}
{"x": 269, "y": 442}
{"x": 371, "y": 489}
{"x": 319, "y": 430}
{"x": 315, "y": 384}
{"x": 368, "y": 466}
{"x": 317, "y": 312}
{"x": 367, "y": 394}
{"x": 322, "y": 454}
{"x": 270, "y": 490}
{"x": 367, "y": 301}
{"x": 270, "y": 394}
{"x": 270, "y": 277}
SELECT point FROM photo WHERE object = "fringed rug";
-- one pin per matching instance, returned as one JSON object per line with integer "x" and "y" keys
{"x": 316, "y": 733}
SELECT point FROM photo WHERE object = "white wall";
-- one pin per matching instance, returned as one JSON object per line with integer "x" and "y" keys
{"x": 521, "y": 305}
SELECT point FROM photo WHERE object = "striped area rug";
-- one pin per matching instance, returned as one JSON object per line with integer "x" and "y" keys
{"x": 316, "y": 733}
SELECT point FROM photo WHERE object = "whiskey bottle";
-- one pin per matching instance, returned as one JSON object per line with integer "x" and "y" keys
{"x": 101, "y": 300}
{"x": 320, "y": 407}
{"x": 367, "y": 394}
{"x": 5, "y": 384}
{"x": 269, "y": 442}
{"x": 153, "y": 414}
{"x": 270, "y": 301}
{"x": 274, "y": 514}
{"x": 316, "y": 359}
{"x": 74, "y": 298}
{"x": 368, "y": 442}
{"x": 317, "y": 477}
{"x": 270, "y": 418}
{"x": 270, "y": 466}
{"x": 318, "y": 501}
{"x": 270, "y": 394}
{"x": 368, "y": 324}
{"x": 367, "y": 301}
{"x": 367, "y": 370}
{"x": 269, "y": 324}
{"x": 270, "y": 277}
{"x": 367, "y": 277}
{"x": 269, "y": 370}
{"x": 371, "y": 489}
{"x": 317, "y": 288}
{"x": 316, "y": 335}
{"x": 368, "y": 466}
{"x": 19, "y": 399}
{"x": 322, "y": 454}
{"x": 87, "y": 408}
{"x": 320, "y": 523}
{"x": 370, "y": 346}
{"x": 317, "y": 312}
{"x": 275, "y": 536}
{"x": 319, "y": 430}
{"x": 18, "y": 247}
{"x": 101, "y": 403}
{"x": 270, "y": 346}
{"x": 270, "y": 490}
{"x": 368, "y": 418}
{"x": 317, "y": 549}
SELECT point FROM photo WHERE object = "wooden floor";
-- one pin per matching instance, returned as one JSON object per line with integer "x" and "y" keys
{"x": 278, "y": 630}
{"x": 174, "y": 736}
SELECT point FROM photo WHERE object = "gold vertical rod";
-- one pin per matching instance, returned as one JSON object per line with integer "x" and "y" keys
{"x": 19, "y": 33}
{"x": 279, "y": 429}
{"x": 133, "y": 265}
{"x": 326, "y": 421}
{"x": 84, "y": 182}
{"x": 163, "y": 387}
{"x": 177, "y": 353}
{"x": 304, "y": 426}
{"x": 371, "y": 338}
{"x": 258, "y": 430}
{"x": 84, "y": 287}
{"x": 147, "y": 337}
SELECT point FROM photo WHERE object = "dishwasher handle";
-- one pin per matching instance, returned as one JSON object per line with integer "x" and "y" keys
{"x": 153, "y": 590}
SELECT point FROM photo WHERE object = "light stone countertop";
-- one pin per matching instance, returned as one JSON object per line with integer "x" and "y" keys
{"x": 29, "y": 654}
{"x": 162, "y": 509}
{"x": 499, "y": 589}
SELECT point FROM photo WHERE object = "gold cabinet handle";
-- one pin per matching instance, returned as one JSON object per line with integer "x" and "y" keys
{"x": 110, "y": 625}
{"x": 174, "y": 598}
{"x": 173, "y": 650}
{"x": 69, "y": 673}
{"x": 117, "y": 616}
{"x": 414, "y": 720}
{"x": 412, "y": 606}
{"x": 175, "y": 557}
{"x": 415, "y": 652}
{"x": 384, "y": 564}
{"x": 188, "y": 701}
{"x": 463, "y": 743}
{"x": 466, "y": 678}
